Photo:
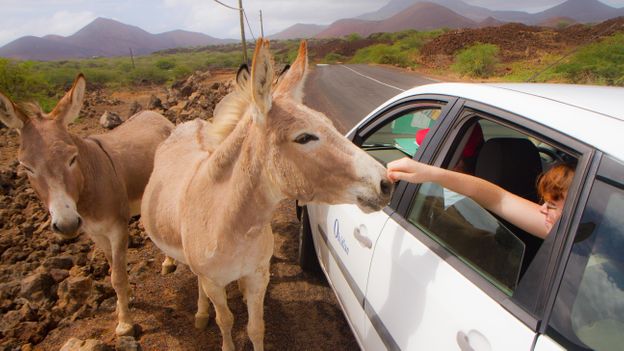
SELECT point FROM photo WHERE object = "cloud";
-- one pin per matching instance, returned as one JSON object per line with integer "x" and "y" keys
{"x": 61, "y": 23}
{"x": 214, "y": 19}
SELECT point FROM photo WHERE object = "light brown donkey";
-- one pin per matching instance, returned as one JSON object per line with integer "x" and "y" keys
{"x": 93, "y": 184}
{"x": 214, "y": 188}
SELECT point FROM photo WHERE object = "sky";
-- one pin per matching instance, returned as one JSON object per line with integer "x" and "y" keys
{"x": 65, "y": 17}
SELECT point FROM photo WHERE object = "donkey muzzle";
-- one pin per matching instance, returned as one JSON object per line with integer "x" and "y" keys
{"x": 67, "y": 228}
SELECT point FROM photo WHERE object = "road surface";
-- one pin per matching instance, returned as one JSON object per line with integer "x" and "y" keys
{"x": 347, "y": 93}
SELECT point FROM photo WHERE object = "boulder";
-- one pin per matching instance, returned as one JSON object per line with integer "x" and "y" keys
{"x": 73, "y": 292}
{"x": 110, "y": 120}
{"x": 74, "y": 344}
{"x": 37, "y": 286}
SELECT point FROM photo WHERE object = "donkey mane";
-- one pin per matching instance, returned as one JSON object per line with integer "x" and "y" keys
{"x": 228, "y": 112}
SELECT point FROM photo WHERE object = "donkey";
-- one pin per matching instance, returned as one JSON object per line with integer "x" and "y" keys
{"x": 214, "y": 188}
{"x": 91, "y": 184}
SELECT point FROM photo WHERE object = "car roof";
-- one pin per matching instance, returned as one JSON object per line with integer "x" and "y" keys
{"x": 591, "y": 114}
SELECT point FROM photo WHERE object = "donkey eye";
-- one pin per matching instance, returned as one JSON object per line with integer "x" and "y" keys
{"x": 305, "y": 138}
{"x": 73, "y": 160}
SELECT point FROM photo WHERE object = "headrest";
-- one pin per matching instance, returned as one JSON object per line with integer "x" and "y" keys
{"x": 511, "y": 163}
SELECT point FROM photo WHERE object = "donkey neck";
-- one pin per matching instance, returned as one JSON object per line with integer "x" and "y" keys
{"x": 237, "y": 170}
{"x": 101, "y": 186}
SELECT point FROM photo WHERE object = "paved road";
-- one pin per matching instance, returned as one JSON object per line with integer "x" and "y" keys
{"x": 347, "y": 93}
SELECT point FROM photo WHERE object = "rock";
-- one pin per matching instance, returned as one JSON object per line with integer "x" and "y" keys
{"x": 134, "y": 108}
{"x": 60, "y": 262}
{"x": 73, "y": 292}
{"x": 37, "y": 286}
{"x": 154, "y": 103}
{"x": 110, "y": 120}
{"x": 74, "y": 344}
{"x": 139, "y": 269}
{"x": 127, "y": 343}
{"x": 59, "y": 274}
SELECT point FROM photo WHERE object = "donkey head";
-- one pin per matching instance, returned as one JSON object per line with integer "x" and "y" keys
{"x": 309, "y": 160}
{"x": 49, "y": 155}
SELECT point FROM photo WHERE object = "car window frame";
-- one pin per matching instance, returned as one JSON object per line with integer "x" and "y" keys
{"x": 436, "y": 150}
{"x": 605, "y": 170}
{"x": 382, "y": 117}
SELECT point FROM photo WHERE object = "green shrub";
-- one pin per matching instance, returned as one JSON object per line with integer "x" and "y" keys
{"x": 478, "y": 60}
{"x": 333, "y": 57}
{"x": 165, "y": 64}
{"x": 353, "y": 37}
{"x": 147, "y": 75}
{"x": 382, "y": 53}
{"x": 598, "y": 63}
{"x": 20, "y": 82}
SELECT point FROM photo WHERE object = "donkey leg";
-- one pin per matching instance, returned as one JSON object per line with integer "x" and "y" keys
{"x": 119, "y": 280}
{"x": 203, "y": 304}
{"x": 168, "y": 266}
{"x": 224, "y": 316}
{"x": 255, "y": 289}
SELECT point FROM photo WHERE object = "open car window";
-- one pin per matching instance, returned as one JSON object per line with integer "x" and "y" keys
{"x": 487, "y": 244}
{"x": 400, "y": 137}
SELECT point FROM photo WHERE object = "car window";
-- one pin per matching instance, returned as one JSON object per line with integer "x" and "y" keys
{"x": 402, "y": 135}
{"x": 589, "y": 310}
{"x": 495, "y": 249}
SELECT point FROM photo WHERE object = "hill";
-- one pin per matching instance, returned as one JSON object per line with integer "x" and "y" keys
{"x": 103, "y": 37}
{"x": 583, "y": 11}
{"x": 298, "y": 31}
{"x": 420, "y": 16}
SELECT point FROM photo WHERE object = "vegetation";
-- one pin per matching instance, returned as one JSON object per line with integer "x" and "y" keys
{"x": 43, "y": 82}
{"x": 598, "y": 63}
{"x": 400, "y": 49}
{"x": 478, "y": 60}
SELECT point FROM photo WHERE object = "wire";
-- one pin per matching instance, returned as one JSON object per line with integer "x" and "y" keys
{"x": 248, "y": 26}
{"x": 228, "y": 6}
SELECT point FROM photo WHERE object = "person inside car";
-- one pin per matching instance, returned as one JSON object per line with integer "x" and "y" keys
{"x": 533, "y": 218}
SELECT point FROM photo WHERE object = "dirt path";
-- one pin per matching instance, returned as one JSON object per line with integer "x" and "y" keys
{"x": 301, "y": 312}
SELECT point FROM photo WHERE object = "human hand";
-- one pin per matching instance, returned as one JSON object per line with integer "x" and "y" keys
{"x": 408, "y": 170}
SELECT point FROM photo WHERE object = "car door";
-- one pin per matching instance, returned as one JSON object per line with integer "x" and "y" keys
{"x": 446, "y": 273}
{"x": 588, "y": 312}
{"x": 350, "y": 234}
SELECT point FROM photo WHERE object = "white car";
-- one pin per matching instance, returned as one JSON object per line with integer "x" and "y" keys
{"x": 435, "y": 271}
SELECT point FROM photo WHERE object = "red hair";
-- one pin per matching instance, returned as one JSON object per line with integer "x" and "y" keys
{"x": 553, "y": 184}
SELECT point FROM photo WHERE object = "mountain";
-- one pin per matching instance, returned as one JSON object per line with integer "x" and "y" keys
{"x": 420, "y": 16}
{"x": 298, "y": 31}
{"x": 583, "y": 11}
{"x": 103, "y": 37}
{"x": 475, "y": 13}
{"x": 579, "y": 10}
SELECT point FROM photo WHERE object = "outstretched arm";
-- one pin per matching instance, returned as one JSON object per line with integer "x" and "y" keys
{"x": 520, "y": 212}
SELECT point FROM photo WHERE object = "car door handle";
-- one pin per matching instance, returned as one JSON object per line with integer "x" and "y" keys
{"x": 360, "y": 235}
{"x": 473, "y": 341}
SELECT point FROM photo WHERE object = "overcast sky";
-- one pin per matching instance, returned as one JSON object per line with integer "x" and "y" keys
{"x": 65, "y": 17}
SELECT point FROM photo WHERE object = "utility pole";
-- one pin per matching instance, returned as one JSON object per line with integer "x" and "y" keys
{"x": 240, "y": 9}
{"x": 261, "y": 25}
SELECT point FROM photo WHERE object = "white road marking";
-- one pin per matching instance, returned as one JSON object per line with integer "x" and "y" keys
{"x": 373, "y": 79}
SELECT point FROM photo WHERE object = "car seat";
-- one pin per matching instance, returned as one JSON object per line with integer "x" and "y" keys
{"x": 514, "y": 165}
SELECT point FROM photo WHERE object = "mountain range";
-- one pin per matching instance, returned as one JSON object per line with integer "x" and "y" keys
{"x": 106, "y": 37}
{"x": 452, "y": 14}
{"x": 103, "y": 37}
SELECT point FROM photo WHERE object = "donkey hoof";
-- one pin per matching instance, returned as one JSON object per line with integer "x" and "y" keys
{"x": 124, "y": 329}
{"x": 166, "y": 269}
{"x": 201, "y": 321}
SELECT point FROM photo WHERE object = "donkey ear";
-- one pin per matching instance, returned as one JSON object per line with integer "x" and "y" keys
{"x": 68, "y": 109}
{"x": 9, "y": 115}
{"x": 242, "y": 76}
{"x": 292, "y": 83}
{"x": 262, "y": 77}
